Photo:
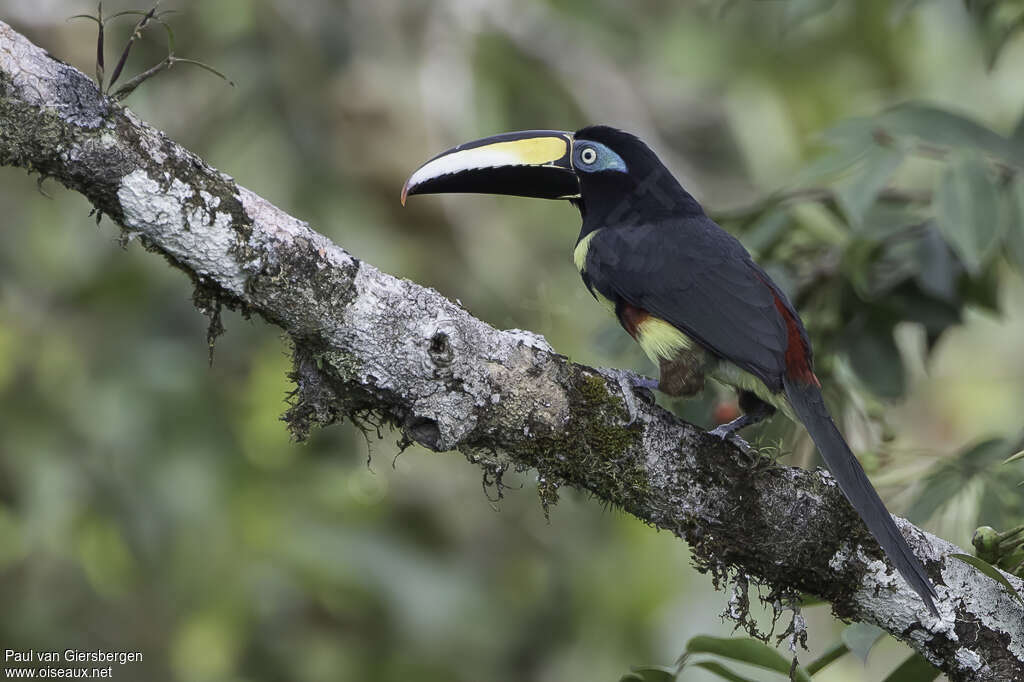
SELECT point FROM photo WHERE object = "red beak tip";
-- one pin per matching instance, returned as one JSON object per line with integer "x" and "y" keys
{"x": 405, "y": 193}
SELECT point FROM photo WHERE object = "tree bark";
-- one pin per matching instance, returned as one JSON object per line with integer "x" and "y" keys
{"x": 381, "y": 350}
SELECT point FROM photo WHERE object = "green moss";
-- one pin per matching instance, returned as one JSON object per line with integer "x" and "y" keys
{"x": 345, "y": 364}
{"x": 596, "y": 451}
{"x": 315, "y": 401}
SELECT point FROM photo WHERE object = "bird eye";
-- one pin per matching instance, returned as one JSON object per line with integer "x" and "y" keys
{"x": 588, "y": 155}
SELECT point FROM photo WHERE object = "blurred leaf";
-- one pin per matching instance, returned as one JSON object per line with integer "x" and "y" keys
{"x": 834, "y": 653}
{"x": 763, "y": 232}
{"x": 841, "y": 156}
{"x": 799, "y": 11}
{"x": 653, "y": 673}
{"x": 106, "y": 559}
{"x": 981, "y": 290}
{"x": 1011, "y": 537}
{"x": 886, "y": 218}
{"x": 744, "y": 650}
{"x": 857, "y": 191}
{"x": 945, "y": 129}
{"x": 504, "y": 72}
{"x": 938, "y": 269}
{"x": 723, "y": 672}
{"x": 900, "y": 9}
{"x": 207, "y": 646}
{"x": 984, "y": 456}
{"x": 821, "y": 222}
{"x": 896, "y": 263}
{"x": 847, "y": 143}
{"x": 997, "y": 21}
{"x": 876, "y": 360}
{"x": 940, "y": 486}
{"x": 967, "y": 210}
{"x": 949, "y": 478}
{"x": 858, "y": 261}
{"x": 908, "y": 303}
{"x": 860, "y": 638}
{"x": 1013, "y": 217}
{"x": 993, "y": 505}
{"x": 852, "y": 134}
{"x": 991, "y": 571}
{"x": 914, "y": 669}
{"x": 1015, "y": 563}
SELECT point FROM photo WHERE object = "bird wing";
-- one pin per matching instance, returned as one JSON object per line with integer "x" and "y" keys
{"x": 700, "y": 279}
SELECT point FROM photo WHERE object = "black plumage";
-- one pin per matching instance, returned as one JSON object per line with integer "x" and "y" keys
{"x": 695, "y": 276}
{"x": 650, "y": 244}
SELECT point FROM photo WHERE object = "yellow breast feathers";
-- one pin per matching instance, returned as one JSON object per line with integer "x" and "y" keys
{"x": 579, "y": 256}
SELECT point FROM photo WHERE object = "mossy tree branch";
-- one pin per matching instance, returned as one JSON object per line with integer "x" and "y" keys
{"x": 371, "y": 347}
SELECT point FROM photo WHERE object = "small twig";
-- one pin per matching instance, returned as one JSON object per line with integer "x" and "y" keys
{"x": 163, "y": 65}
{"x": 99, "y": 41}
{"x": 206, "y": 67}
{"x": 940, "y": 153}
{"x": 136, "y": 34}
{"x": 99, "y": 47}
{"x": 812, "y": 194}
{"x": 138, "y": 80}
{"x": 817, "y": 195}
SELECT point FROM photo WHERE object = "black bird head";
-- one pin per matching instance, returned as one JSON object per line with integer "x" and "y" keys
{"x": 611, "y": 175}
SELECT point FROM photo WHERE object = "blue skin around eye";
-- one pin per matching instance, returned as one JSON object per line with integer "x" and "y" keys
{"x": 607, "y": 160}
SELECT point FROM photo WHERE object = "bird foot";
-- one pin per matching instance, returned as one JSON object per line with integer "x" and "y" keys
{"x": 629, "y": 383}
{"x": 728, "y": 432}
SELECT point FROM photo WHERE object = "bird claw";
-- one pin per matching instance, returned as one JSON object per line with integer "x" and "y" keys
{"x": 628, "y": 384}
{"x": 723, "y": 432}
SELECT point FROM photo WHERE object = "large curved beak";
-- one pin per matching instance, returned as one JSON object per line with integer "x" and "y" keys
{"x": 531, "y": 163}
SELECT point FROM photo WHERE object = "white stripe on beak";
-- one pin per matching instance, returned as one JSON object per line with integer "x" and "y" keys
{"x": 529, "y": 151}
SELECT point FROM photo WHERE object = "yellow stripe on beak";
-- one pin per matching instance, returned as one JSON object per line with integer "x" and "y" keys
{"x": 531, "y": 149}
{"x": 536, "y": 151}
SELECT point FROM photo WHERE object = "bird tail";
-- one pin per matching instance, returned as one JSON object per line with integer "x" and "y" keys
{"x": 809, "y": 406}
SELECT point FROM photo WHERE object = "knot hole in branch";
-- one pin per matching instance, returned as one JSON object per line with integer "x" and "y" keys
{"x": 425, "y": 431}
{"x": 440, "y": 349}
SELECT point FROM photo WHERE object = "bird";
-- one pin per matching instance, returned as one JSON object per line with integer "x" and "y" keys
{"x": 685, "y": 289}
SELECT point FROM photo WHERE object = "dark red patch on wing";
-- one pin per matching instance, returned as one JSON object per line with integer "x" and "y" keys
{"x": 798, "y": 354}
{"x": 631, "y": 317}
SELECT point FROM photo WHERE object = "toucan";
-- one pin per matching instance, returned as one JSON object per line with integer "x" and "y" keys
{"x": 685, "y": 289}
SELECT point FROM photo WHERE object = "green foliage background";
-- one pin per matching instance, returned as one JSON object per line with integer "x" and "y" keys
{"x": 150, "y": 502}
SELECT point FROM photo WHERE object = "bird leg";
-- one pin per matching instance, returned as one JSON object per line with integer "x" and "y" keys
{"x": 755, "y": 411}
{"x": 681, "y": 376}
